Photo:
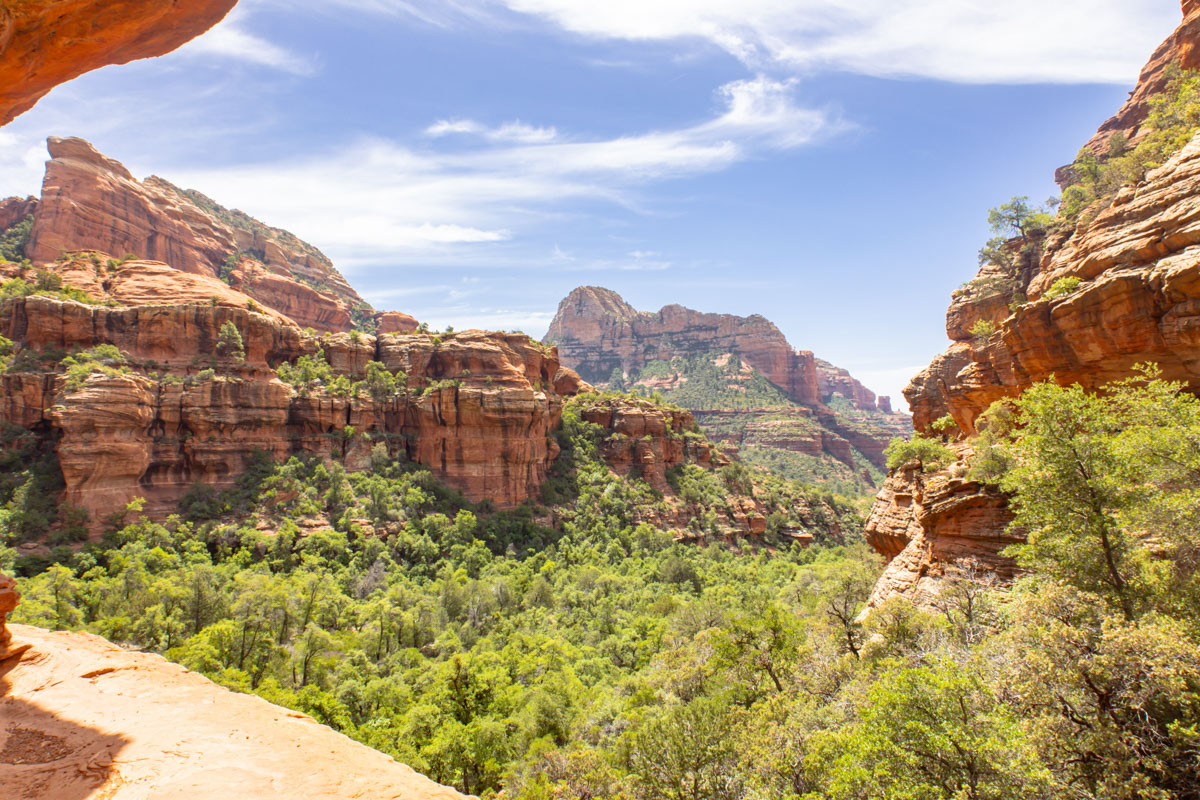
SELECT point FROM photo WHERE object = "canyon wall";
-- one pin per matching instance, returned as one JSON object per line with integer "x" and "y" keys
{"x": 477, "y": 408}
{"x": 92, "y": 202}
{"x": 47, "y": 42}
{"x": 1137, "y": 260}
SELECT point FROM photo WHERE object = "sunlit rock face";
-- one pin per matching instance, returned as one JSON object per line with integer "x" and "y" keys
{"x": 1138, "y": 263}
{"x": 479, "y": 408}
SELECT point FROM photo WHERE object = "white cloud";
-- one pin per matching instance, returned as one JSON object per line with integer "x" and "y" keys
{"x": 230, "y": 40}
{"x": 374, "y": 201}
{"x": 515, "y": 131}
{"x": 972, "y": 41}
{"x": 447, "y": 127}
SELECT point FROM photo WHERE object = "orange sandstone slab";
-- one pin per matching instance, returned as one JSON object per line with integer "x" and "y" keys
{"x": 82, "y": 718}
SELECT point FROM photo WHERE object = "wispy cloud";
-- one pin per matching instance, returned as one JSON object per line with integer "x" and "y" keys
{"x": 515, "y": 131}
{"x": 972, "y": 41}
{"x": 375, "y": 200}
{"x": 231, "y": 40}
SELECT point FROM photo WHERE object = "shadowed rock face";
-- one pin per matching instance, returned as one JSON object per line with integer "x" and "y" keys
{"x": 1139, "y": 300}
{"x": 47, "y": 42}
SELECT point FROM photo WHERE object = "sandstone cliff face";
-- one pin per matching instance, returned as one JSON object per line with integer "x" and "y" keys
{"x": 478, "y": 408}
{"x": 1179, "y": 48}
{"x": 91, "y": 202}
{"x": 85, "y": 718}
{"x": 43, "y": 44}
{"x": 930, "y": 526}
{"x": 1138, "y": 263}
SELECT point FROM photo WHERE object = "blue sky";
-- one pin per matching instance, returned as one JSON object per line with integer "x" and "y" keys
{"x": 826, "y": 163}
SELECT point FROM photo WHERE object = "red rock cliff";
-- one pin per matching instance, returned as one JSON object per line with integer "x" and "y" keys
{"x": 1138, "y": 262}
{"x": 47, "y": 42}
{"x": 478, "y": 408}
{"x": 91, "y": 202}
{"x": 596, "y": 331}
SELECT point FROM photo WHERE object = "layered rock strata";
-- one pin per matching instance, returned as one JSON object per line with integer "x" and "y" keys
{"x": 930, "y": 526}
{"x": 92, "y": 202}
{"x": 477, "y": 408}
{"x": 596, "y": 331}
{"x": 45, "y": 43}
{"x": 1137, "y": 263}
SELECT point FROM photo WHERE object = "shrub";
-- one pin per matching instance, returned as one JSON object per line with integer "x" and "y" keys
{"x": 1063, "y": 287}
{"x": 932, "y": 454}
{"x": 104, "y": 358}
{"x": 982, "y": 329}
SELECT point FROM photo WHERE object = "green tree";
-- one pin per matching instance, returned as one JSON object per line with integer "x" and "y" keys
{"x": 229, "y": 343}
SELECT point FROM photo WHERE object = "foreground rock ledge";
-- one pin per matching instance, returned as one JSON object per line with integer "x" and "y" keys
{"x": 82, "y": 718}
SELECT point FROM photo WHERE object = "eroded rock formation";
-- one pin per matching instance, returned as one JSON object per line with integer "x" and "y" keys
{"x": 928, "y": 525}
{"x": 477, "y": 408}
{"x": 92, "y": 202}
{"x": 47, "y": 42}
{"x": 1138, "y": 300}
{"x": 9, "y": 598}
{"x": 85, "y": 718}
{"x": 596, "y": 331}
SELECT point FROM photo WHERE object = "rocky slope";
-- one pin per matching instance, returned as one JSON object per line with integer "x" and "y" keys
{"x": 92, "y": 202}
{"x": 45, "y": 43}
{"x": 746, "y": 385}
{"x": 1138, "y": 300}
{"x": 85, "y": 719}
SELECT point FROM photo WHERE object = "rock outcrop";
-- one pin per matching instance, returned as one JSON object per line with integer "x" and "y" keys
{"x": 477, "y": 408}
{"x": 91, "y": 202}
{"x": 84, "y": 718}
{"x": 596, "y": 331}
{"x": 47, "y": 42}
{"x": 1179, "y": 48}
{"x": 1137, "y": 263}
{"x": 929, "y": 525}
{"x": 9, "y": 599}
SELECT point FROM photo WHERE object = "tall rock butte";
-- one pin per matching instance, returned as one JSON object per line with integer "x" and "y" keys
{"x": 597, "y": 332}
{"x": 92, "y": 202}
{"x": 47, "y": 42}
{"x": 1138, "y": 260}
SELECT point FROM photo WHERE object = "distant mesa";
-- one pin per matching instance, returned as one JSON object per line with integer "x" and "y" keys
{"x": 746, "y": 385}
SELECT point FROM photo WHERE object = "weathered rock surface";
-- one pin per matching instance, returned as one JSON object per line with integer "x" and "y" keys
{"x": 92, "y": 202}
{"x": 1139, "y": 300}
{"x": 47, "y": 42}
{"x": 82, "y": 718}
{"x": 596, "y": 331}
{"x": 929, "y": 525}
{"x": 1179, "y": 48}
{"x": 478, "y": 408}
